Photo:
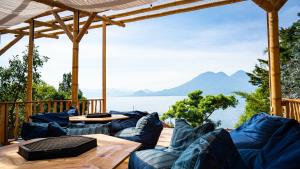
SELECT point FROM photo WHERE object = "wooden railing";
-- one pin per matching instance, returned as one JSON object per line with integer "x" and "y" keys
{"x": 291, "y": 108}
{"x": 12, "y": 115}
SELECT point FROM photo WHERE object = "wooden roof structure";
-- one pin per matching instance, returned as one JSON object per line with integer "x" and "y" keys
{"x": 75, "y": 24}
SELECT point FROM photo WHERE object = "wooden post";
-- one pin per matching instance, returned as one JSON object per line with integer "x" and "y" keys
{"x": 4, "y": 124}
{"x": 104, "y": 66}
{"x": 29, "y": 71}
{"x": 274, "y": 72}
{"x": 75, "y": 60}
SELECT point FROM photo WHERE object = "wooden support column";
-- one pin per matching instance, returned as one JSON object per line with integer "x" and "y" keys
{"x": 29, "y": 71}
{"x": 104, "y": 66}
{"x": 274, "y": 72}
{"x": 75, "y": 60}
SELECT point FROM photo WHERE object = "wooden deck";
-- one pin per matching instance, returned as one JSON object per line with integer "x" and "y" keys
{"x": 164, "y": 140}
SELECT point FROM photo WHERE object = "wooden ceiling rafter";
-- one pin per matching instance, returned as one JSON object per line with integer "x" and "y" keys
{"x": 176, "y": 11}
{"x": 63, "y": 25}
{"x": 55, "y": 29}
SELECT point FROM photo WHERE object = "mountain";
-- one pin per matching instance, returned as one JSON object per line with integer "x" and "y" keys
{"x": 209, "y": 83}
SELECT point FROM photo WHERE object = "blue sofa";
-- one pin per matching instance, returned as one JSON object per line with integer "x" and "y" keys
{"x": 264, "y": 142}
{"x": 57, "y": 124}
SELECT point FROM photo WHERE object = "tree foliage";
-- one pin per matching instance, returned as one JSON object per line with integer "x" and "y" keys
{"x": 259, "y": 101}
{"x": 65, "y": 86}
{"x": 14, "y": 77}
{"x": 197, "y": 109}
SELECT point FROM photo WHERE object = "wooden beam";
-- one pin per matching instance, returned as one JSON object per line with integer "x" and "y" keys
{"x": 264, "y": 4}
{"x": 278, "y": 4}
{"x": 63, "y": 26}
{"x": 29, "y": 70}
{"x": 153, "y": 8}
{"x": 10, "y": 44}
{"x": 75, "y": 60}
{"x": 106, "y": 19}
{"x": 275, "y": 89}
{"x": 85, "y": 27}
{"x": 42, "y": 35}
{"x": 104, "y": 66}
{"x": 23, "y": 33}
{"x": 40, "y": 23}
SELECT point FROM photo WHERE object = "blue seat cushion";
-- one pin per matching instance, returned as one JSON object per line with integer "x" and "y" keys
{"x": 282, "y": 150}
{"x": 184, "y": 135}
{"x": 255, "y": 133}
{"x": 152, "y": 159}
{"x": 146, "y": 131}
{"x": 86, "y": 129}
{"x": 214, "y": 150}
{"x": 118, "y": 125}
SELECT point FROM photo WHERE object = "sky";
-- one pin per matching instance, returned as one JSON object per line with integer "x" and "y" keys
{"x": 163, "y": 52}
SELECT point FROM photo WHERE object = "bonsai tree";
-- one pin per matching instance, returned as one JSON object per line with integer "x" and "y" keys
{"x": 197, "y": 109}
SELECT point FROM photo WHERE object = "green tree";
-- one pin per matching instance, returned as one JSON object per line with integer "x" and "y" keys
{"x": 258, "y": 101}
{"x": 14, "y": 77}
{"x": 65, "y": 86}
{"x": 197, "y": 109}
{"x": 13, "y": 80}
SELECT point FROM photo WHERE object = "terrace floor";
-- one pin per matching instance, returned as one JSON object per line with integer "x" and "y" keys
{"x": 164, "y": 140}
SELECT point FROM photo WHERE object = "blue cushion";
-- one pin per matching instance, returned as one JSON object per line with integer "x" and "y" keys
{"x": 55, "y": 130}
{"x": 118, "y": 125}
{"x": 34, "y": 130}
{"x": 72, "y": 111}
{"x": 255, "y": 133}
{"x": 152, "y": 159}
{"x": 215, "y": 150}
{"x": 147, "y": 131}
{"x": 282, "y": 150}
{"x": 183, "y": 135}
{"x": 87, "y": 129}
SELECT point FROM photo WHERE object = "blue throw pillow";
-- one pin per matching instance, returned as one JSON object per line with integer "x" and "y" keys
{"x": 255, "y": 133}
{"x": 34, "y": 130}
{"x": 118, "y": 125}
{"x": 184, "y": 135}
{"x": 146, "y": 131}
{"x": 215, "y": 150}
{"x": 55, "y": 130}
{"x": 72, "y": 111}
{"x": 152, "y": 159}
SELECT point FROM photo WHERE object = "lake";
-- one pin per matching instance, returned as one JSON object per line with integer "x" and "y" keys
{"x": 161, "y": 104}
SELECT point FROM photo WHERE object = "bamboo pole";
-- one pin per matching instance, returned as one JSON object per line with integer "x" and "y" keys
{"x": 274, "y": 63}
{"x": 104, "y": 66}
{"x": 10, "y": 44}
{"x": 30, "y": 67}
{"x": 75, "y": 60}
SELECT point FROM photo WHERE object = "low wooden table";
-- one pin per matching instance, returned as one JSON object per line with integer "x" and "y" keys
{"x": 102, "y": 119}
{"x": 110, "y": 153}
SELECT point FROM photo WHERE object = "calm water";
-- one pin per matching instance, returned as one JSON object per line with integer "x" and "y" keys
{"x": 161, "y": 104}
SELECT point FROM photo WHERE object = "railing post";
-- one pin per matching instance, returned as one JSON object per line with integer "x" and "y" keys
{"x": 4, "y": 124}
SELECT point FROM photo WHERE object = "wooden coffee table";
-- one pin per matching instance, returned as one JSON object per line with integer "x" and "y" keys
{"x": 110, "y": 153}
{"x": 102, "y": 119}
